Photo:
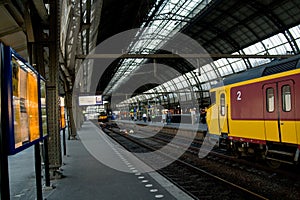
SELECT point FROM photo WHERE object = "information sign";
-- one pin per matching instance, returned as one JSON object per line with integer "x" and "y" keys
{"x": 24, "y": 103}
{"x": 90, "y": 100}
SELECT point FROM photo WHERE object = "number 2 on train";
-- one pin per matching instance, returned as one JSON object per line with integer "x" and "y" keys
{"x": 238, "y": 95}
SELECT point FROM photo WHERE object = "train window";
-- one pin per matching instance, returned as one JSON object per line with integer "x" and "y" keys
{"x": 222, "y": 104}
{"x": 270, "y": 100}
{"x": 286, "y": 98}
{"x": 212, "y": 98}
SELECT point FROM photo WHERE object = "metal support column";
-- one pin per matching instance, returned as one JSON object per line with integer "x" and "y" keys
{"x": 46, "y": 163}
{"x": 71, "y": 125}
{"x": 38, "y": 51}
{"x": 54, "y": 143}
{"x": 4, "y": 176}
{"x": 38, "y": 172}
{"x": 64, "y": 141}
{"x": 4, "y": 179}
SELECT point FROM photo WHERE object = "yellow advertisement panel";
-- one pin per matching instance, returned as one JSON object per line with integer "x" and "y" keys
{"x": 25, "y": 103}
{"x": 33, "y": 106}
{"x": 23, "y": 106}
{"x": 62, "y": 117}
{"x": 16, "y": 104}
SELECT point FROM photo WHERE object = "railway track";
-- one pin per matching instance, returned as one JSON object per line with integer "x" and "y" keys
{"x": 199, "y": 183}
{"x": 218, "y": 154}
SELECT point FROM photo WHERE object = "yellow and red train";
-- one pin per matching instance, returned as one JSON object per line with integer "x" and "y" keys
{"x": 257, "y": 112}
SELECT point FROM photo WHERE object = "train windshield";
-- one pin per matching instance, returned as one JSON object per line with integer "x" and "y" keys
{"x": 212, "y": 98}
{"x": 102, "y": 113}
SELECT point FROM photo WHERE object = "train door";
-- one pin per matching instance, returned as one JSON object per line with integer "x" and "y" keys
{"x": 279, "y": 111}
{"x": 223, "y": 113}
{"x": 287, "y": 113}
{"x": 272, "y": 132}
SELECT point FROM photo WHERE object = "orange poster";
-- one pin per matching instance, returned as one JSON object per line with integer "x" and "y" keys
{"x": 33, "y": 107}
{"x": 62, "y": 117}
{"x": 16, "y": 104}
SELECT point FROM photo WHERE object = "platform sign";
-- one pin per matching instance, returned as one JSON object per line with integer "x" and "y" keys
{"x": 90, "y": 100}
{"x": 23, "y": 100}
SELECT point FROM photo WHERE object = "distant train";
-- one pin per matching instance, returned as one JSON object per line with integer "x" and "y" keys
{"x": 103, "y": 117}
{"x": 257, "y": 112}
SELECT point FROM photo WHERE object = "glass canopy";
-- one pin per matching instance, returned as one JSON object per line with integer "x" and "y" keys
{"x": 171, "y": 16}
{"x": 168, "y": 17}
{"x": 276, "y": 45}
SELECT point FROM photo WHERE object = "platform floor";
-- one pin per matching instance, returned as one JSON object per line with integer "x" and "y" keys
{"x": 95, "y": 168}
{"x": 22, "y": 175}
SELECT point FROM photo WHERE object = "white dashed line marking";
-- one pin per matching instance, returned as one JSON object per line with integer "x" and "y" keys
{"x": 148, "y": 185}
{"x": 141, "y": 177}
{"x": 159, "y": 196}
{"x": 153, "y": 190}
{"x": 145, "y": 181}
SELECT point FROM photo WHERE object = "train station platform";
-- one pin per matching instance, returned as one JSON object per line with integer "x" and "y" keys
{"x": 96, "y": 168}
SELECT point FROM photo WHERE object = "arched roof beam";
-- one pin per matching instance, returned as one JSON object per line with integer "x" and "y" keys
{"x": 292, "y": 42}
{"x": 41, "y": 10}
{"x": 211, "y": 44}
{"x": 276, "y": 21}
{"x": 223, "y": 35}
{"x": 171, "y": 17}
{"x": 240, "y": 23}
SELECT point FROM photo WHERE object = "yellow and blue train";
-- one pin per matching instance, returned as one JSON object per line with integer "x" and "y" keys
{"x": 257, "y": 112}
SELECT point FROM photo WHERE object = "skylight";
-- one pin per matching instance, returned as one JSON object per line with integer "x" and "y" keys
{"x": 167, "y": 21}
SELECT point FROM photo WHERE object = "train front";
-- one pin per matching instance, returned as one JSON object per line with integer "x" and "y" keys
{"x": 217, "y": 113}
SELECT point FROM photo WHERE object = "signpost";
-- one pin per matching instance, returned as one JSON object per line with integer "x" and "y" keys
{"x": 4, "y": 176}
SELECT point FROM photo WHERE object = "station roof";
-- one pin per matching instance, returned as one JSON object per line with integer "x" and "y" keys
{"x": 220, "y": 27}
{"x": 118, "y": 16}
{"x": 226, "y": 27}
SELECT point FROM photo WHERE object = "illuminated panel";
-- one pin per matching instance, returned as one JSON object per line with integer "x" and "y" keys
{"x": 62, "y": 116}
{"x": 19, "y": 85}
{"x": 32, "y": 104}
{"x": 90, "y": 100}
{"x": 24, "y": 103}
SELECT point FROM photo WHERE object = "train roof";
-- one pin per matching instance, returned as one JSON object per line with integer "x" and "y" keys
{"x": 274, "y": 67}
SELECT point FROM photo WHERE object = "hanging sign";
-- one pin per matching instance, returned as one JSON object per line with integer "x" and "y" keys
{"x": 90, "y": 100}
